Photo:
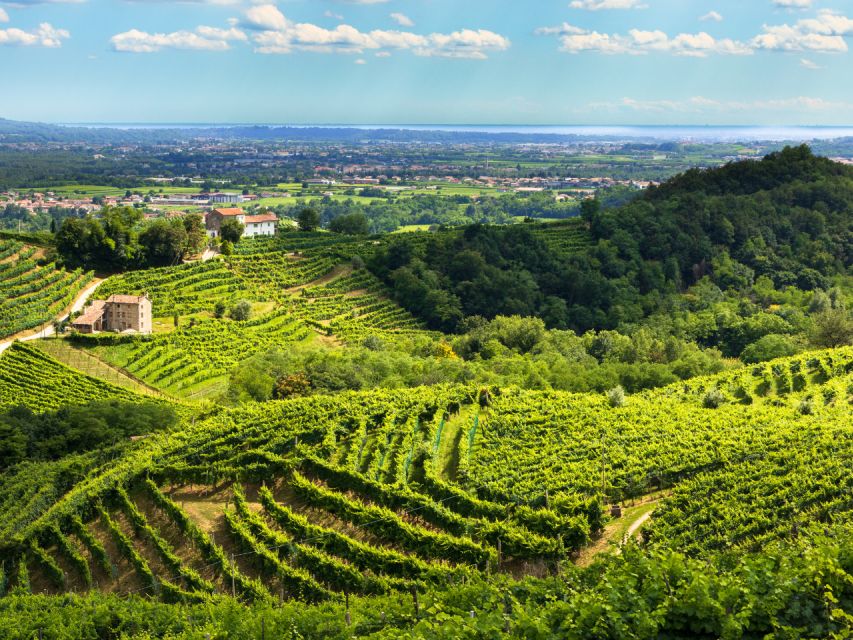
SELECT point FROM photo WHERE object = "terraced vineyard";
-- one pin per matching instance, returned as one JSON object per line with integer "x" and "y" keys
{"x": 197, "y": 358}
{"x": 566, "y": 237}
{"x": 31, "y": 378}
{"x": 310, "y": 295}
{"x": 31, "y": 294}
{"x": 181, "y": 290}
{"x": 367, "y": 493}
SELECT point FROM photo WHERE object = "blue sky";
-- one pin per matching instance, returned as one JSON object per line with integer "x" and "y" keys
{"x": 428, "y": 61}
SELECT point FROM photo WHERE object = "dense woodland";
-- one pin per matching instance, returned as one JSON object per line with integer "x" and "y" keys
{"x": 787, "y": 219}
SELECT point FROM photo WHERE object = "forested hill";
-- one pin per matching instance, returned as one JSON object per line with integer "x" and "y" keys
{"x": 788, "y": 217}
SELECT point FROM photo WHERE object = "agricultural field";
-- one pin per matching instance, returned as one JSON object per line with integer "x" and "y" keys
{"x": 315, "y": 499}
{"x": 30, "y": 377}
{"x": 301, "y": 287}
{"x": 33, "y": 294}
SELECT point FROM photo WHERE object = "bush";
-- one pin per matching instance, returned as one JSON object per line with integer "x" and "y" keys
{"x": 713, "y": 399}
{"x": 219, "y": 309}
{"x": 616, "y": 397}
{"x": 295, "y": 384}
{"x": 241, "y": 311}
{"x": 806, "y": 406}
{"x": 768, "y": 347}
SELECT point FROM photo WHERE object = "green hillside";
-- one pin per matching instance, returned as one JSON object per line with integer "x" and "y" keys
{"x": 536, "y": 431}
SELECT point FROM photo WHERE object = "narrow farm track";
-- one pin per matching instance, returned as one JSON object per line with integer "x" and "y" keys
{"x": 619, "y": 531}
{"x": 341, "y": 271}
{"x": 47, "y": 330}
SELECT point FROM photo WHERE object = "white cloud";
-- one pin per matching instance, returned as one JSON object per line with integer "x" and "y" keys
{"x": 641, "y": 42}
{"x": 712, "y": 16}
{"x": 332, "y": 14}
{"x": 277, "y": 34}
{"x": 202, "y": 39}
{"x": 793, "y": 4}
{"x": 266, "y": 17}
{"x": 46, "y": 35}
{"x": 361, "y": 61}
{"x": 809, "y": 64}
{"x": 598, "y": 5}
{"x": 4, "y": 17}
{"x": 823, "y": 34}
{"x": 402, "y": 19}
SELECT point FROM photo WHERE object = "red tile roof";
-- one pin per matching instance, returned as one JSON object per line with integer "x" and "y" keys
{"x": 264, "y": 217}
{"x": 229, "y": 211}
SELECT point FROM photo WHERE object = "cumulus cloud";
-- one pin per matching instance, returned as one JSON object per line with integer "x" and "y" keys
{"x": 4, "y": 17}
{"x": 202, "y": 39}
{"x": 639, "y": 42}
{"x": 824, "y": 34}
{"x": 46, "y": 35}
{"x": 712, "y": 16}
{"x": 598, "y": 5}
{"x": 274, "y": 33}
{"x": 402, "y": 19}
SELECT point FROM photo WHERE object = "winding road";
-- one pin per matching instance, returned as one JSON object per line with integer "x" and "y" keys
{"x": 47, "y": 330}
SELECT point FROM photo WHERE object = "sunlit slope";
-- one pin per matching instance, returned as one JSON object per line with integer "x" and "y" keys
{"x": 33, "y": 294}
{"x": 316, "y": 497}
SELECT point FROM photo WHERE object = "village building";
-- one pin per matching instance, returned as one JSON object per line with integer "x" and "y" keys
{"x": 264, "y": 224}
{"x": 119, "y": 313}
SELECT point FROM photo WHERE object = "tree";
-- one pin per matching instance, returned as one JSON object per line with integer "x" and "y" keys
{"x": 241, "y": 311}
{"x": 231, "y": 230}
{"x": 832, "y": 328}
{"x": 308, "y": 219}
{"x": 295, "y": 384}
{"x": 768, "y": 347}
{"x": 353, "y": 224}
{"x": 219, "y": 309}
{"x": 163, "y": 242}
{"x": 196, "y": 233}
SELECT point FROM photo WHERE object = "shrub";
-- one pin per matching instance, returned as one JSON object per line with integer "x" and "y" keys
{"x": 616, "y": 397}
{"x": 713, "y": 399}
{"x": 768, "y": 347}
{"x": 241, "y": 311}
{"x": 806, "y": 406}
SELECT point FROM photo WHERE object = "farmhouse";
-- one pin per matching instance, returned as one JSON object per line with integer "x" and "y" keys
{"x": 119, "y": 313}
{"x": 260, "y": 225}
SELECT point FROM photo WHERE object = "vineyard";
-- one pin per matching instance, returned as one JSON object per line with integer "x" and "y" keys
{"x": 372, "y": 493}
{"x": 302, "y": 296}
{"x": 29, "y": 377}
{"x": 33, "y": 294}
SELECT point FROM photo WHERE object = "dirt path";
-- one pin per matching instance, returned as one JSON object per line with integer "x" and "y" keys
{"x": 635, "y": 526}
{"x": 338, "y": 272}
{"x": 46, "y": 330}
{"x": 619, "y": 531}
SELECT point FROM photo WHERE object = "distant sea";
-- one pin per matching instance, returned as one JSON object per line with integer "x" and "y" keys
{"x": 661, "y": 133}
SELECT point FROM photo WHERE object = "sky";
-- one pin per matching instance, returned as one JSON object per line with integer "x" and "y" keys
{"x": 691, "y": 62}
